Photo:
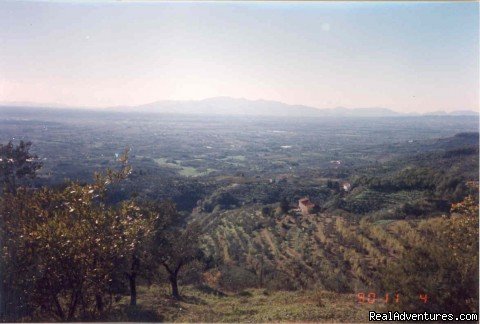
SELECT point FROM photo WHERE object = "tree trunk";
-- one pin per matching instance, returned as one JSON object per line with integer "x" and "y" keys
{"x": 173, "y": 277}
{"x": 132, "y": 279}
{"x": 99, "y": 300}
{"x": 173, "y": 282}
{"x": 73, "y": 305}
{"x": 59, "y": 311}
{"x": 133, "y": 288}
{"x": 261, "y": 271}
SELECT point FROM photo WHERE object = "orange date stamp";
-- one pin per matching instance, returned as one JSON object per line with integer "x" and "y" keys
{"x": 387, "y": 298}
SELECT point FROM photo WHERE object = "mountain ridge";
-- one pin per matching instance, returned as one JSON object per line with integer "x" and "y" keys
{"x": 244, "y": 107}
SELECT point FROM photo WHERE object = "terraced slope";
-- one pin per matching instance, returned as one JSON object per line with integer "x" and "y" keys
{"x": 320, "y": 250}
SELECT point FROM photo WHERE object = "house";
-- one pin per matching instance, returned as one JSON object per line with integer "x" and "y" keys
{"x": 346, "y": 186}
{"x": 306, "y": 206}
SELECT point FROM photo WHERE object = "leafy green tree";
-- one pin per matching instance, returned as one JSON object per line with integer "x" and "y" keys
{"x": 175, "y": 245}
{"x": 141, "y": 224}
{"x": 61, "y": 249}
{"x": 17, "y": 163}
{"x": 135, "y": 224}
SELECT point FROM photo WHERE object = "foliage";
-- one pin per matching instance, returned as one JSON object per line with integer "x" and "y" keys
{"x": 16, "y": 163}
{"x": 174, "y": 245}
{"x": 443, "y": 265}
{"x": 235, "y": 278}
{"x": 61, "y": 249}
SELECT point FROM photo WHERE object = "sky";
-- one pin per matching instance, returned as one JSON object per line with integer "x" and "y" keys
{"x": 406, "y": 56}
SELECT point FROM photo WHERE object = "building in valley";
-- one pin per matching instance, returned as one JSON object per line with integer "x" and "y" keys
{"x": 307, "y": 207}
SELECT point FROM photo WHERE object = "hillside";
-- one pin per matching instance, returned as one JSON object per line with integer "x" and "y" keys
{"x": 300, "y": 252}
{"x": 357, "y": 235}
{"x": 252, "y": 305}
{"x": 295, "y": 251}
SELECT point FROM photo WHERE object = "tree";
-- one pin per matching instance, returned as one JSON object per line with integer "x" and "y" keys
{"x": 444, "y": 265}
{"x": 17, "y": 163}
{"x": 60, "y": 249}
{"x": 175, "y": 245}
{"x": 266, "y": 211}
{"x": 138, "y": 222}
{"x": 284, "y": 205}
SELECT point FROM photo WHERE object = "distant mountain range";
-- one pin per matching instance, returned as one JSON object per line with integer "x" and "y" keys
{"x": 234, "y": 106}
{"x": 453, "y": 113}
{"x": 244, "y": 107}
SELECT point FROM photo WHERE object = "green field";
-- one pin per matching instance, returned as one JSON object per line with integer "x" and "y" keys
{"x": 185, "y": 171}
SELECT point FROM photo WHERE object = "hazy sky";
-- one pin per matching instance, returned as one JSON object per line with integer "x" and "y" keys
{"x": 405, "y": 56}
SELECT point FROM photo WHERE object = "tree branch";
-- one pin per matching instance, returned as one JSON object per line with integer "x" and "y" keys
{"x": 168, "y": 268}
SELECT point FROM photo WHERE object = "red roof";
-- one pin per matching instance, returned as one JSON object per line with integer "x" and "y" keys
{"x": 306, "y": 202}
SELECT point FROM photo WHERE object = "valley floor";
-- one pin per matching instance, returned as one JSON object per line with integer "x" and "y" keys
{"x": 252, "y": 305}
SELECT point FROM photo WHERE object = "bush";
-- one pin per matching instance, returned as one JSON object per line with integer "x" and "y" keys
{"x": 236, "y": 279}
{"x": 280, "y": 281}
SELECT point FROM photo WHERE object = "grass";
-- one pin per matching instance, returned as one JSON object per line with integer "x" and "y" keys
{"x": 236, "y": 157}
{"x": 252, "y": 305}
{"x": 384, "y": 222}
{"x": 185, "y": 171}
{"x": 236, "y": 160}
